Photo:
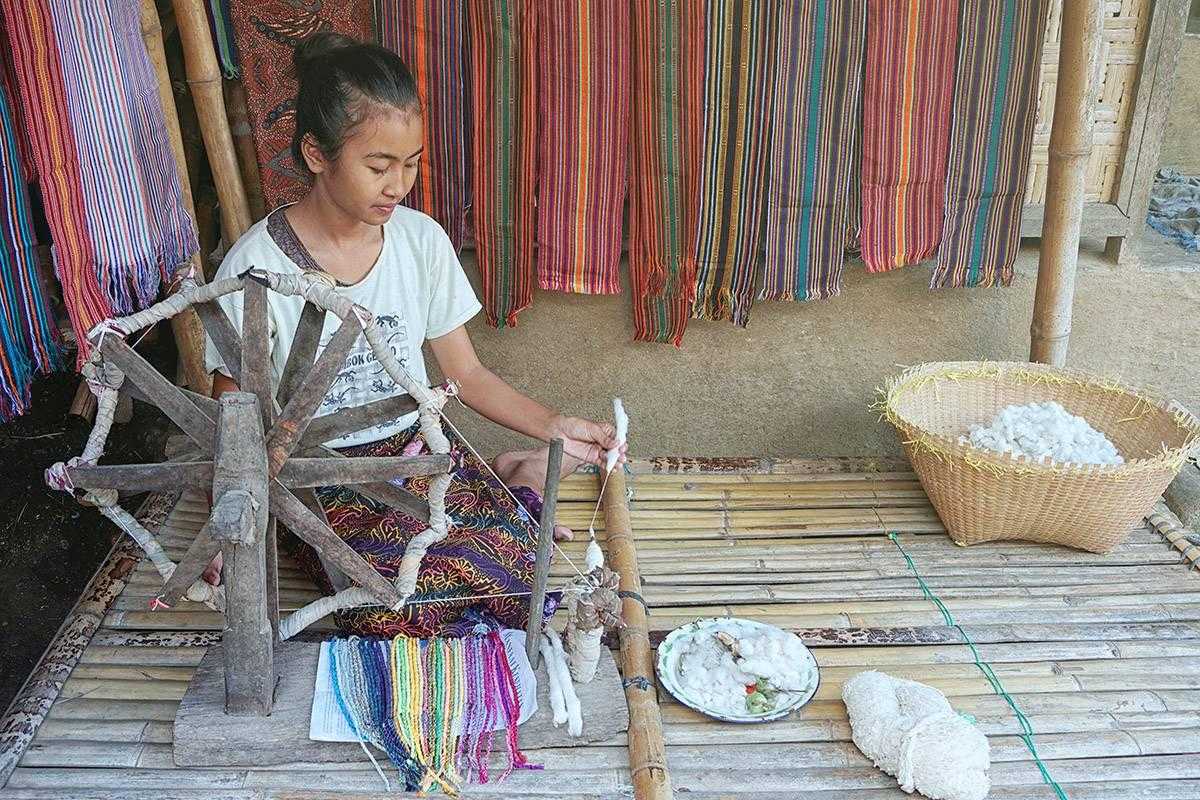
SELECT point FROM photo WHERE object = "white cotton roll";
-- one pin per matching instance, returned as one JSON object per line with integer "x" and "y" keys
{"x": 621, "y": 420}
{"x": 574, "y": 712}
{"x": 557, "y": 704}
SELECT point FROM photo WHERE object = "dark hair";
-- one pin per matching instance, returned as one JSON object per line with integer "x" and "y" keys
{"x": 339, "y": 79}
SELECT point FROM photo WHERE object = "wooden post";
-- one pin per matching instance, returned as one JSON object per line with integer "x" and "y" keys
{"x": 239, "y": 522}
{"x": 1070, "y": 149}
{"x": 204, "y": 78}
{"x": 647, "y": 750}
{"x": 189, "y": 335}
{"x": 545, "y": 546}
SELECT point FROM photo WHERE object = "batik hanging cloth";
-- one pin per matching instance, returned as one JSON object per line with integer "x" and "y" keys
{"x": 908, "y": 92}
{"x": 429, "y": 36}
{"x": 109, "y": 180}
{"x": 28, "y": 339}
{"x": 814, "y": 125}
{"x": 738, "y": 82}
{"x": 583, "y": 143}
{"x": 667, "y": 68}
{"x": 503, "y": 169}
{"x": 266, "y": 33}
{"x": 995, "y": 102}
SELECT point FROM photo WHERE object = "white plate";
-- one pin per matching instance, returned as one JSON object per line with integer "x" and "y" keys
{"x": 667, "y": 667}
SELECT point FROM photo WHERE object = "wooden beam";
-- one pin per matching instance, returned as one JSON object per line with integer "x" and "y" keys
{"x": 207, "y": 405}
{"x": 169, "y": 398}
{"x": 1070, "y": 148}
{"x": 345, "y": 421}
{"x": 337, "y": 578}
{"x": 239, "y": 523}
{"x": 309, "y": 472}
{"x": 189, "y": 336}
{"x": 647, "y": 750}
{"x": 389, "y": 494}
{"x": 199, "y": 555}
{"x": 242, "y": 130}
{"x": 204, "y": 78}
{"x": 545, "y": 547}
{"x": 165, "y": 477}
{"x": 303, "y": 351}
{"x": 224, "y": 336}
{"x": 297, "y": 414}
{"x": 307, "y": 526}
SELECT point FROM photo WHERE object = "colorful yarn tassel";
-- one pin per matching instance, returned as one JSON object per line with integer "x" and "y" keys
{"x": 430, "y": 704}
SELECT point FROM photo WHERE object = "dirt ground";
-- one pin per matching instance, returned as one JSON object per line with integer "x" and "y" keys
{"x": 51, "y": 544}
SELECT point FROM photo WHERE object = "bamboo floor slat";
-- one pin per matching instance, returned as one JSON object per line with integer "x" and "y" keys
{"x": 1102, "y": 652}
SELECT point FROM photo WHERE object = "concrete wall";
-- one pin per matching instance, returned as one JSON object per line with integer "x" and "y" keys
{"x": 798, "y": 381}
{"x": 1181, "y": 144}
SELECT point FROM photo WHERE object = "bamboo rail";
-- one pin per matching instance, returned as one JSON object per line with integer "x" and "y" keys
{"x": 1070, "y": 148}
{"x": 647, "y": 749}
{"x": 189, "y": 334}
{"x": 204, "y": 78}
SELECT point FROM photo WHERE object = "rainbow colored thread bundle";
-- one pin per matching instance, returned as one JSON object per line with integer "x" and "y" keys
{"x": 431, "y": 704}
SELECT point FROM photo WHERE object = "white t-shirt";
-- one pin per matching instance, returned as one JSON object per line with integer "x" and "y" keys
{"x": 416, "y": 290}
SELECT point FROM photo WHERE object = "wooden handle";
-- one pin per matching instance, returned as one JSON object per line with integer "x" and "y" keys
{"x": 541, "y": 570}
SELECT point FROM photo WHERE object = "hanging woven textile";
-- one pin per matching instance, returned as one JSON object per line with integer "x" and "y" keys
{"x": 814, "y": 123}
{"x": 266, "y": 32}
{"x": 503, "y": 175}
{"x": 90, "y": 100}
{"x": 907, "y": 97}
{"x": 583, "y": 143}
{"x": 666, "y": 69}
{"x": 430, "y": 704}
{"x": 428, "y": 36}
{"x": 28, "y": 339}
{"x": 222, "y": 29}
{"x": 738, "y": 81}
{"x": 995, "y": 101}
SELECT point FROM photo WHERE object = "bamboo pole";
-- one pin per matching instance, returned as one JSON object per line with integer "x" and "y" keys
{"x": 204, "y": 78}
{"x": 647, "y": 750}
{"x": 243, "y": 139}
{"x": 1070, "y": 149}
{"x": 189, "y": 334}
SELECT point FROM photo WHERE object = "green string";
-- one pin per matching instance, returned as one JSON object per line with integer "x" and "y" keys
{"x": 1027, "y": 732}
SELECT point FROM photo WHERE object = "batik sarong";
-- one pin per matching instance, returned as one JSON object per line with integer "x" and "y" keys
{"x": 484, "y": 568}
{"x": 813, "y": 146}
{"x": 503, "y": 145}
{"x": 907, "y": 96}
{"x": 995, "y": 102}
{"x": 583, "y": 143}
{"x": 429, "y": 36}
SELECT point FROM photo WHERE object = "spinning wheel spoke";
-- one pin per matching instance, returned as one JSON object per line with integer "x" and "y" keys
{"x": 303, "y": 351}
{"x": 163, "y": 477}
{"x": 352, "y": 420}
{"x": 387, "y": 493}
{"x": 306, "y": 472}
{"x": 336, "y": 577}
{"x": 256, "y": 349}
{"x": 203, "y": 402}
{"x": 199, "y": 555}
{"x": 297, "y": 414}
{"x": 307, "y": 526}
{"x": 160, "y": 391}
{"x": 224, "y": 335}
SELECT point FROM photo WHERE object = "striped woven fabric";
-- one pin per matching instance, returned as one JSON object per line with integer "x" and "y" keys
{"x": 907, "y": 96}
{"x": 660, "y": 204}
{"x": 90, "y": 101}
{"x": 731, "y": 189}
{"x": 995, "y": 101}
{"x": 583, "y": 143}
{"x": 222, "y": 29}
{"x": 429, "y": 36}
{"x": 503, "y": 141}
{"x": 28, "y": 339}
{"x": 266, "y": 32}
{"x": 814, "y": 126}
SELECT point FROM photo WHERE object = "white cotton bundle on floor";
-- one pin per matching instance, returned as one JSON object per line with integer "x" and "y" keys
{"x": 1044, "y": 430}
{"x": 563, "y": 700}
{"x": 911, "y": 732}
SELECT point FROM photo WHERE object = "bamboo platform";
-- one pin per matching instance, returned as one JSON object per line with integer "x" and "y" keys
{"x": 1101, "y": 652}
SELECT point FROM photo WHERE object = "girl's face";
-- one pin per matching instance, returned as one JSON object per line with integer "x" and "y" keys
{"x": 377, "y": 165}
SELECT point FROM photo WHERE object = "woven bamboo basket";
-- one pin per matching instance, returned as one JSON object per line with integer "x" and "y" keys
{"x": 982, "y": 495}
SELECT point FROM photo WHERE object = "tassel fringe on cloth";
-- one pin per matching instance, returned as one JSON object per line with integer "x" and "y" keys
{"x": 431, "y": 705}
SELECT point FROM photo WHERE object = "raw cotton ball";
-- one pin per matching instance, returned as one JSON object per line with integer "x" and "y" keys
{"x": 1044, "y": 430}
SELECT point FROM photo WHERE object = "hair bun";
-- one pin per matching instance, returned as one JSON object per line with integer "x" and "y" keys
{"x": 317, "y": 47}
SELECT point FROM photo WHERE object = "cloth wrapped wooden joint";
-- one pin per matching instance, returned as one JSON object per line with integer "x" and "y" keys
{"x": 592, "y": 605}
{"x": 911, "y": 732}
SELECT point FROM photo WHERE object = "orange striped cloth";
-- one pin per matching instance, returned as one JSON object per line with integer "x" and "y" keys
{"x": 907, "y": 98}
{"x": 428, "y": 36}
{"x": 503, "y": 164}
{"x": 583, "y": 142}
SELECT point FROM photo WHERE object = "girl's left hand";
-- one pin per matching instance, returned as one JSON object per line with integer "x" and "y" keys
{"x": 585, "y": 440}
